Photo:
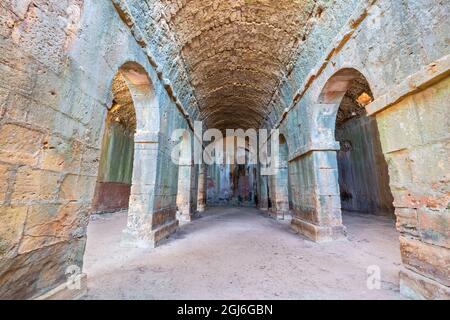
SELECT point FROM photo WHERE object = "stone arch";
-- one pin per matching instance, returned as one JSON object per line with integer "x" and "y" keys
{"x": 338, "y": 84}
{"x": 362, "y": 169}
{"x": 330, "y": 98}
{"x": 145, "y": 100}
{"x": 132, "y": 78}
{"x": 236, "y": 174}
{"x": 243, "y": 174}
{"x": 363, "y": 177}
{"x": 360, "y": 178}
{"x": 114, "y": 179}
{"x": 342, "y": 98}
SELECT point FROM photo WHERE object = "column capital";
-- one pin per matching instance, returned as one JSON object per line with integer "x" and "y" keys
{"x": 312, "y": 146}
{"x": 146, "y": 137}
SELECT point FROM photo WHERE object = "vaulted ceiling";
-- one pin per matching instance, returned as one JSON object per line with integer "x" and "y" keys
{"x": 236, "y": 52}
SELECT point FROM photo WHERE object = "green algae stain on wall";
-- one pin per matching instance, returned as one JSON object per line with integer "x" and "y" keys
{"x": 116, "y": 164}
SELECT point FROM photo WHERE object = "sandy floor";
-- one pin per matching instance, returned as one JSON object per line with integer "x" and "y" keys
{"x": 238, "y": 253}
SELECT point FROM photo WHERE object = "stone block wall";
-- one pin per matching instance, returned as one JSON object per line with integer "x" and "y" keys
{"x": 316, "y": 198}
{"x": 202, "y": 181}
{"x": 115, "y": 173}
{"x": 45, "y": 148}
{"x": 230, "y": 185}
{"x": 415, "y": 137}
{"x": 363, "y": 171}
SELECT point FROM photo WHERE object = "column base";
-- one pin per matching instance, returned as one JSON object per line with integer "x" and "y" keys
{"x": 417, "y": 287}
{"x": 279, "y": 215}
{"x": 185, "y": 218}
{"x": 65, "y": 292}
{"x": 130, "y": 239}
{"x": 318, "y": 233}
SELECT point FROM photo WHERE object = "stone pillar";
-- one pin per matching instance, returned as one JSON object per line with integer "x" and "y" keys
{"x": 280, "y": 192}
{"x": 201, "y": 196}
{"x": 184, "y": 198}
{"x": 187, "y": 195}
{"x": 414, "y": 137}
{"x": 316, "y": 200}
{"x": 263, "y": 200}
{"x": 146, "y": 226}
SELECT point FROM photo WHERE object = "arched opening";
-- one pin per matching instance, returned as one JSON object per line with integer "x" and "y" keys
{"x": 126, "y": 199}
{"x": 127, "y": 173}
{"x": 112, "y": 193}
{"x": 362, "y": 169}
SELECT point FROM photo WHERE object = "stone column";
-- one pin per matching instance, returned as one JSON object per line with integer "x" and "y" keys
{"x": 146, "y": 227}
{"x": 201, "y": 196}
{"x": 280, "y": 192}
{"x": 263, "y": 201}
{"x": 414, "y": 139}
{"x": 316, "y": 200}
{"x": 184, "y": 193}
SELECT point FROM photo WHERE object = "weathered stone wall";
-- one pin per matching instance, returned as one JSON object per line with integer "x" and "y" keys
{"x": 187, "y": 183}
{"x": 231, "y": 185}
{"x": 56, "y": 69}
{"x": 415, "y": 137}
{"x": 45, "y": 148}
{"x": 112, "y": 191}
{"x": 116, "y": 161}
{"x": 386, "y": 41}
{"x": 363, "y": 171}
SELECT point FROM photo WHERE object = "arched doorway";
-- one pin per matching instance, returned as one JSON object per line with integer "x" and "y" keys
{"x": 112, "y": 193}
{"x": 127, "y": 171}
{"x": 362, "y": 170}
{"x": 341, "y": 167}
{"x": 129, "y": 155}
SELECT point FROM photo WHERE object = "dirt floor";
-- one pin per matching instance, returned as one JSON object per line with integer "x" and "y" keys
{"x": 239, "y": 253}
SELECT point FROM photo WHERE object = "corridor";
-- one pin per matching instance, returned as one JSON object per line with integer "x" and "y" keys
{"x": 213, "y": 149}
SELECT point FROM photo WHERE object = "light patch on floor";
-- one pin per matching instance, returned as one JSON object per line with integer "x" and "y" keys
{"x": 239, "y": 253}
